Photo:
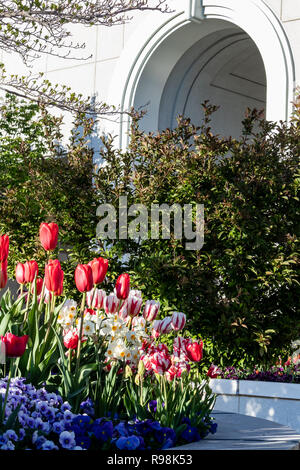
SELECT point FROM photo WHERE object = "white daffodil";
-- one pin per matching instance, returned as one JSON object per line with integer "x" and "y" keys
{"x": 88, "y": 328}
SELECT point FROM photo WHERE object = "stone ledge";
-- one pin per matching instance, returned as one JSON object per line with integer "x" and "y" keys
{"x": 241, "y": 432}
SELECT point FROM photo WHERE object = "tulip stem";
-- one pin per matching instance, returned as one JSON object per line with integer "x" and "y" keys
{"x": 7, "y": 389}
{"x": 80, "y": 332}
{"x": 42, "y": 296}
{"x": 51, "y": 314}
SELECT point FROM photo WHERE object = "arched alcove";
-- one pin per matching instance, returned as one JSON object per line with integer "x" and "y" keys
{"x": 225, "y": 68}
{"x": 234, "y": 53}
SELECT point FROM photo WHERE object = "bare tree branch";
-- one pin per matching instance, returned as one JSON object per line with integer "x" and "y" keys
{"x": 34, "y": 27}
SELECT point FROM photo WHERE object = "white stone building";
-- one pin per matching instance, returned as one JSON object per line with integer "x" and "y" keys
{"x": 235, "y": 53}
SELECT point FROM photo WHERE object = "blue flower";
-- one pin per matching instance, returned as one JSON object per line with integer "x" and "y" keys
{"x": 87, "y": 407}
{"x": 164, "y": 434}
{"x": 168, "y": 443}
{"x": 122, "y": 429}
{"x": 103, "y": 431}
{"x": 67, "y": 440}
{"x": 65, "y": 406}
{"x": 10, "y": 435}
{"x": 152, "y": 406}
{"x": 81, "y": 421}
{"x": 83, "y": 441}
{"x": 128, "y": 443}
{"x": 213, "y": 428}
{"x": 49, "y": 445}
{"x": 57, "y": 427}
{"x": 190, "y": 434}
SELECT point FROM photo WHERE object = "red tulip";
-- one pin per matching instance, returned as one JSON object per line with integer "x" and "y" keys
{"x": 14, "y": 345}
{"x": 4, "y": 247}
{"x": 39, "y": 286}
{"x": 54, "y": 276}
{"x": 213, "y": 372}
{"x": 194, "y": 351}
{"x": 20, "y": 273}
{"x": 3, "y": 274}
{"x": 84, "y": 277}
{"x": 123, "y": 286}
{"x": 71, "y": 339}
{"x": 49, "y": 235}
{"x": 30, "y": 270}
{"x": 99, "y": 268}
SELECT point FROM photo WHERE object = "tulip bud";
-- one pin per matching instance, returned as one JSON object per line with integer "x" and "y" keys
{"x": 20, "y": 273}
{"x": 4, "y": 247}
{"x": 84, "y": 277}
{"x": 99, "y": 269}
{"x": 194, "y": 351}
{"x": 178, "y": 321}
{"x": 3, "y": 274}
{"x": 14, "y": 345}
{"x": 54, "y": 276}
{"x": 166, "y": 325}
{"x": 123, "y": 286}
{"x": 151, "y": 310}
{"x": 111, "y": 303}
{"x": 30, "y": 270}
{"x": 134, "y": 305}
{"x": 156, "y": 328}
{"x": 71, "y": 339}
{"x": 128, "y": 371}
{"x": 49, "y": 236}
{"x": 123, "y": 312}
{"x": 141, "y": 368}
{"x": 39, "y": 286}
{"x": 95, "y": 298}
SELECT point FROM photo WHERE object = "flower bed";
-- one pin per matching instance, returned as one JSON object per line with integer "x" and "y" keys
{"x": 96, "y": 375}
{"x": 39, "y": 420}
{"x": 289, "y": 372}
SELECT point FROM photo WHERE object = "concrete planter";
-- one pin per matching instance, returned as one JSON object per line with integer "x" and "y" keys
{"x": 278, "y": 402}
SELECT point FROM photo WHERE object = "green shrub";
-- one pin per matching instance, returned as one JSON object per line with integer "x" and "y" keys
{"x": 241, "y": 290}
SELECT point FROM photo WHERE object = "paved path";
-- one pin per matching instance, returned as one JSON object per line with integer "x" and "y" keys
{"x": 241, "y": 432}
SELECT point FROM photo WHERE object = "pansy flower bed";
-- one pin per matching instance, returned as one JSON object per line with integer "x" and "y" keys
{"x": 96, "y": 375}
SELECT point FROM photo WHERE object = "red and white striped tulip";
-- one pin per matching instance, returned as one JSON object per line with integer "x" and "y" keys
{"x": 160, "y": 362}
{"x": 151, "y": 310}
{"x": 111, "y": 303}
{"x": 156, "y": 328}
{"x": 134, "y": 305}
{"x": 95, "y": 298}
{"x": 178, "y": 320}
{"x": 166, "y": 325}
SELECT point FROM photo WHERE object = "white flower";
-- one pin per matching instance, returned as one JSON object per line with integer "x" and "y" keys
{"x": 88, "y": 328}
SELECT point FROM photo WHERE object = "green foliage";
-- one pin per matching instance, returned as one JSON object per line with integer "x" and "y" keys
{"x": 244, "y": 282}
{"x": 42, "y": 181}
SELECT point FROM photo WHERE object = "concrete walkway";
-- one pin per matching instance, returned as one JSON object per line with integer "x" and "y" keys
{"x": 241, "y": 432}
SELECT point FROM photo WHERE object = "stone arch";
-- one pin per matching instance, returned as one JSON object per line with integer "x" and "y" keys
{"x": 157, "y": 47}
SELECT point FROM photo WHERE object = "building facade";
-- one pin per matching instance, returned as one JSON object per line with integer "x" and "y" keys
{"x": 234, "y": 53}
